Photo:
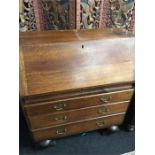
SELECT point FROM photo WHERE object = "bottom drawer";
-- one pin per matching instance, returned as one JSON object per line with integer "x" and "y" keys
{"x": 73, "y": 128}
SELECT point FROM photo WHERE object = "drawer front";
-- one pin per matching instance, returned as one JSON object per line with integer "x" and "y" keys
{"x": 51, "y": 119}
{"x": 79, "y": 127}
{"x": 77, "y": 103}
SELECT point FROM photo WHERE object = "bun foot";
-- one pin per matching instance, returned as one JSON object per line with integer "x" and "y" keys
{"x": 110, "y": 130}
{"x": 44, "y": 144}
{"x": 83, "y": 134}
{"x": 130, "y": 128}
{"x": 113, "y": 129}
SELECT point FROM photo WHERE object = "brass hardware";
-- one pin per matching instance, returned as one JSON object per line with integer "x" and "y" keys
{"x": 61, "y": 118}
{"x": 102, "y": 111}
{"x": 61, "y": 131}
{"x": 106, "y": 99}
{"x": 59, "y": 106}
{"x": 100, "y": 123}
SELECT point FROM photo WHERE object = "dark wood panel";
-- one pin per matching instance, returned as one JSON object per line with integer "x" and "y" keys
{"x": 129, "y": 121}
{"x": 51, "y": 119}
{"x": 77, "y": 103}
{"x": 74, "y": 128}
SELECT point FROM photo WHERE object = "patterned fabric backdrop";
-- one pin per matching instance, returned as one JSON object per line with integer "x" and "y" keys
{"x": 55, "y": 14}
{"x": 36, "y": 15}
{"x": 27, "y": 21}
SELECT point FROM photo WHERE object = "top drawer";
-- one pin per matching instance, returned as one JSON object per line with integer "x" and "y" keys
{"x": 78, "y": 102}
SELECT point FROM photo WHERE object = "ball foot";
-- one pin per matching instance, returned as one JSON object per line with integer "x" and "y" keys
{"x": 110, "y": 130}
{"x": 113, "y": 128}
{"x": 45, "y": 144}
{"x": 130, "y": 128}
{"x": 83, "y": 134}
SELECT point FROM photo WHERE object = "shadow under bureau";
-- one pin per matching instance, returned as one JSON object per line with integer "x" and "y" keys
{"x": 75, "y": 81}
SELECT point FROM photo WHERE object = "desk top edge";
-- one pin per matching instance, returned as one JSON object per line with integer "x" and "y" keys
{"x": 27, "y": 38}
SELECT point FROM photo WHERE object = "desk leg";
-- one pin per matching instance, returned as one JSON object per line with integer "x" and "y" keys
{"x": 129, "y": 122}
{"x": 45, "y": 143}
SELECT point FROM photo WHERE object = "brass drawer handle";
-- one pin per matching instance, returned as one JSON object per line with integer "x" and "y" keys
{"x": 61, "y": 131}
{"x": 59, "y": 106}
{"x": 102, "y": 111}
{"x": 100, "y": 123}
{"x": 61, "y": 118}
{"x": 105, "y": 99}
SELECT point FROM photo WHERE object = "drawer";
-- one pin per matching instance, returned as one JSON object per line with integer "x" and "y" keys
{"x": 51, "y": 119}
{"x": 73, "y": 128}
{"x": 78, "y": 102}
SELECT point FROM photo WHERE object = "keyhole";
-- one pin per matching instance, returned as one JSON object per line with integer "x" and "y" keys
{"x": 82, "y": 46}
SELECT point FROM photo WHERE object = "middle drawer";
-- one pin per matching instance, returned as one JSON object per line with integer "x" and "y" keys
{"x": 41, "y": 121}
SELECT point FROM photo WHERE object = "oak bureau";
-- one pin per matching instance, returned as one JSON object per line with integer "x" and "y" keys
{"x": 75, "y": 81}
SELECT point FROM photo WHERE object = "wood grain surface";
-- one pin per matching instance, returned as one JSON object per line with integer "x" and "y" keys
{"x": 66, "y": 60}
{"x": 76, "y": 103}
{"x": 61, "y": 118}
{"x": 75, "y": 81}
{"x": 78, "y": 127}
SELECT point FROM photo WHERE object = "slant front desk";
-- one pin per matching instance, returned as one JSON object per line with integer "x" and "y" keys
{"x": 75, "y": 81}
